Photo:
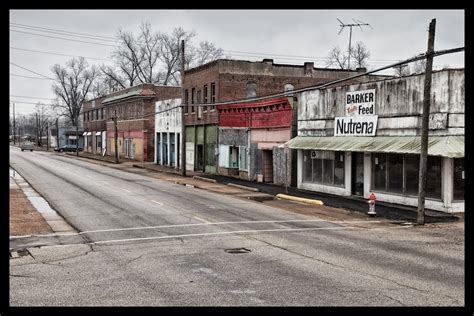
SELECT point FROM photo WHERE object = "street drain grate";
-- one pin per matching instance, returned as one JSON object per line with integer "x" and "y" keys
{"x": 237, "y": 250}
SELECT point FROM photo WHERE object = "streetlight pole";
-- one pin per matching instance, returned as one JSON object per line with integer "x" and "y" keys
{"x": 183, "y": 107}
{"x": 116, "y": 137}
{"x": 14, "y": 125}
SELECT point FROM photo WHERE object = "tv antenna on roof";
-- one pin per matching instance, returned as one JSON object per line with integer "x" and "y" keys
{"x": 343, "y": 25}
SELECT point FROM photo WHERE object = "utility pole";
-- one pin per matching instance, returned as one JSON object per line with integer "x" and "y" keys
{"x": 77, "y": 132}
{"x": 343, "y": 25}
{"x": 14, "y": 125}
{"x": 47, "y": 136}
{"x": 116, "y": 137}
{"x": 37, "y": 130}
{"x": 425, "y": 125}
{"x": 57, "y": 132}
{"x": 183, "y": 107}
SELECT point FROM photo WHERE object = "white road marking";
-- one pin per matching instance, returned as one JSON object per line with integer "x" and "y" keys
{"x": 156, "y": 202}
{"x": 201, "y": 219}
{"x": 194, "y": 224}
{"x": 220, "y": 233}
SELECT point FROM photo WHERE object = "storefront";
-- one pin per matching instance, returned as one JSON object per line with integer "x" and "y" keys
{"x": 366, "y": 144}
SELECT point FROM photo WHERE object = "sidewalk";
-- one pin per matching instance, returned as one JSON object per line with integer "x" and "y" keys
{"x": 349, "y": 204}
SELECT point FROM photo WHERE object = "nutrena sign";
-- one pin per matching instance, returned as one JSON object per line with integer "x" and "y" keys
{"x": 360, "y": 119}
{"x": 355, "y": 125}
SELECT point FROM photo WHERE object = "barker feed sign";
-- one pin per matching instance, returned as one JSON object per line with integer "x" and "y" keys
{"x": 360, "y": 103}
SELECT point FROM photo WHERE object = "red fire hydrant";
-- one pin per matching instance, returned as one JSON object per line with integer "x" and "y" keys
{"x": 371, "y": 202}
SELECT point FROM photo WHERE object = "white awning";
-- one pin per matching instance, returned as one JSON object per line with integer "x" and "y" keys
{"x": 72, "y": 137}
{"x": 89, "y": 133}
{"x": 98, "y": 133}
{"x": 84, "y": 134}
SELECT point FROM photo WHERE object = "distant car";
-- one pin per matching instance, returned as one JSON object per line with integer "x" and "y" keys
{"x": 27, "y": 146}
{"x": 68, "y": 148}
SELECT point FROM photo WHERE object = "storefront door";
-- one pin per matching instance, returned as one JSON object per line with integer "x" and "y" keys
{"x": 358, "y": 174}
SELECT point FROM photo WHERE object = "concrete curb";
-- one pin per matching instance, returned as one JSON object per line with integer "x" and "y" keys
{"x": 299, "y": 199}
{"x": 243, "y": 187}
{"x": 204, "y": 179}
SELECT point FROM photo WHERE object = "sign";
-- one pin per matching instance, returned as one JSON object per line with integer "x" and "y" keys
{"x": 364, "y": 125}
{"x": 438, "y": 121}
{"x": 360, "y": 103}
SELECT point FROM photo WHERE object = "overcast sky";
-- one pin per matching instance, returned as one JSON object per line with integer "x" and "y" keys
{"x": 299, "y": 35}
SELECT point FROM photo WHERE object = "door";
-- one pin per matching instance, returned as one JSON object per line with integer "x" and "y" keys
{"x": 132, "y": 149}
{"x": 200, "y": 157}
{"x": 172, "y": 150}
{"x": 267, "y": 167}
{"x": 357, "y": 174}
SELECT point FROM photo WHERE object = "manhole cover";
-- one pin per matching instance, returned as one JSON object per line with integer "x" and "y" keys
{"x": 238, "y": 250}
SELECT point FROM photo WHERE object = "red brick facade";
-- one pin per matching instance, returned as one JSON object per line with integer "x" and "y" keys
{"x": 135, "y": 107}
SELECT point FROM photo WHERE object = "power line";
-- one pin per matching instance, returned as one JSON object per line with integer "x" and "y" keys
{"x": 29, "y": 77}
{"x": 36, "y": 73}
{"x": 66, "y": 39}
{"x": 35, "y": 103}
{"x": 65, "y": 33}
{"x": 51, "y": 53}
{"x": 21, "y": 96}
{"x": 39, "y": 27}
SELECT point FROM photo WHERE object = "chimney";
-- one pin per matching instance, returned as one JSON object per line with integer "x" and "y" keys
{"x": 308, "y": 68}
{"x": 268, "y": 61}
{"x": 361, "y": 70}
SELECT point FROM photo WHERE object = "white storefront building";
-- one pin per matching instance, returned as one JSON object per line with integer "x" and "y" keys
{"x": 362, "y": 138}
{"x": 168, "y": 133}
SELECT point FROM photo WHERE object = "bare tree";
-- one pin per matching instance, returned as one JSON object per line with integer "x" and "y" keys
{"x": 170, "y": 54}
{"x": 207, "y": 52}
{"x": 336, "y": 57}
{"x": 401, "y": 70}
{"x": 42, "y": 116}
{"x": 72, "y": 87}
{"x": 361, "y": 54}
{"x": 418, "y": 66}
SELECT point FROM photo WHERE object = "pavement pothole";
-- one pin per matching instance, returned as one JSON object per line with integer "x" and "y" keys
{"x": 237, "y": 250}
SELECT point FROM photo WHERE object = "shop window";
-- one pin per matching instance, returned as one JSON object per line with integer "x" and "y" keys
{"x": 433, "y": 177}
{"x": 395, "y": 173}
{"x": 307, "y": 166}
{"x": 233, "y": 157}
{"x": 193, "y": 99}
{"x": 379, "y": 171}
{"x": 458, "y": 179}
{"x": 339, "y": 168}
{"x": 398, "y": 173}
{"x": 412, "y": 174}
{"x": 326, "y": 167}
{"x": 204, "y": 97}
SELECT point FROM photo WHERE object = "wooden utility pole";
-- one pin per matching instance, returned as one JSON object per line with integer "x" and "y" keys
{"x": 116, "y": 137}
{"x": 183, "y": 107}
{"x": 47, "y": 136}
{"x": 37, "y": 130}
{"x": 14, "y": 125}
{"x": 57, "y": 132}
{"x": 425, "y": 125}
{"x": 77, "y": 132}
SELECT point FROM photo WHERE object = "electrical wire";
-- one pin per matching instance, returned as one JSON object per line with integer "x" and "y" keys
{"x": 51, "y": 53}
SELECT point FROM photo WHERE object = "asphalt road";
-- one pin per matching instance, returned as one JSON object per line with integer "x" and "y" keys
{"x": 149, "y": 242}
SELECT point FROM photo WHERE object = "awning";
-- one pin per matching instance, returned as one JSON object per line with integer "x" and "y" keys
{"x": 88, "y": 133}
{"x": 84, "y": 134}
{"x": 72, "y": 137}
{"x": 445, "y": 146}
{"x": 97, "y": 133}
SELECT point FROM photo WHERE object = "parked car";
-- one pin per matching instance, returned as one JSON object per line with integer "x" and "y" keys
{"x": 68, "y": 148}
{"x": 27, "y": 146}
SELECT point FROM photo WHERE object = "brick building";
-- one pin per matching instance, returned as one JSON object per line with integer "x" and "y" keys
{"x": 228, "y": 80}
{"x": 135, "y": 108}
{"x": 95, "y": 127}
